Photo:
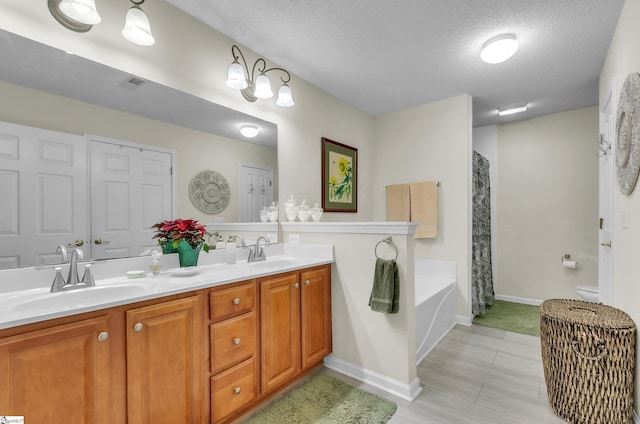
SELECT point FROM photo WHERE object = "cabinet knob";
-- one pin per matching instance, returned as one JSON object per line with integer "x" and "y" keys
{"x": 137, "y": 327}
{"x": 307, "y": 282}
{"x": 237, "y": 390}
{"x": 236, "y": 301}
{"x": 296, "y": 285}
{"x": 236, "y": 341}
{"x": 103, "y": 336}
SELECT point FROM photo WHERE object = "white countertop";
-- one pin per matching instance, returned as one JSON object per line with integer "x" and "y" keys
{"x": 25, "y": 299}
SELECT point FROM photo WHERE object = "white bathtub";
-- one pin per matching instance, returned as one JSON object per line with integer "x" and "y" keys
{"x": 435, "y": 303}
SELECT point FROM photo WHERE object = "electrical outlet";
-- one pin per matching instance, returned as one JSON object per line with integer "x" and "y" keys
{"x": 273, "y": 237}
{"x": 294, "y": 238}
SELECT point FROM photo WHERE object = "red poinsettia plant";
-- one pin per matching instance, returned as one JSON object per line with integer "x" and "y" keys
{"x": 173, "y": 232}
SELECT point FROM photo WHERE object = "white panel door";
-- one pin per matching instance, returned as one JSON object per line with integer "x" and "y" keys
{"x": 256, "y": 191}
{"x": 43, "y": 184}
{"x": 131, "y": 189}
{"x": 606, "y": 184}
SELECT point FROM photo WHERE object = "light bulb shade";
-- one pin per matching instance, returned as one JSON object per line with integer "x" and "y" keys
{"x": 263, "y": 87}
{"x": 285, "y": 98}
{"x": 136, "y": 27}
{"x": 249, "y": 131}
{"x": 83, "y": 11}
{"x": 499, "y": 48}
{"x": 235, "y": 76}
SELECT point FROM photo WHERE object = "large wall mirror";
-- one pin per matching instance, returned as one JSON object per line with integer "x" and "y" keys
{"x": 47, "y": 89}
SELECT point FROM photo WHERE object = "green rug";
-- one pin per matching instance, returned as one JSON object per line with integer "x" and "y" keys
{"x": 323, "y": 400}
{"x": 511, "y": 316}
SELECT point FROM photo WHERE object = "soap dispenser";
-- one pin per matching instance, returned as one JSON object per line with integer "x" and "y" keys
{"x": 156, "y": 265}
{"x": 230, "y": 253}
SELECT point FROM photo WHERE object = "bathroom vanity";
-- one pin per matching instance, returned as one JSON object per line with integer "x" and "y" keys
{"x": 198, "y": 349}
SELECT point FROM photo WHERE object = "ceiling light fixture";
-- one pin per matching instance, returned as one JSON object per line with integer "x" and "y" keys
{"x": 499, "y": 48}
{"x": 510, "y": 110}
{"x": 253, "y": 88}
{"x": 249, "y": 131}
{"x": 136, "y": 27}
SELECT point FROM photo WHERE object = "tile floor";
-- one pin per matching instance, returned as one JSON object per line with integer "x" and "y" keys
{"x": 477, "y": 375}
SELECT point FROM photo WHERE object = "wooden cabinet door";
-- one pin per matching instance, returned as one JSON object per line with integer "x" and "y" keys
{"x": 164, "y": 362}
{"x": 315, "y": 315}
{"x": 58, "y": 374}
{"x": 280, "y": 329}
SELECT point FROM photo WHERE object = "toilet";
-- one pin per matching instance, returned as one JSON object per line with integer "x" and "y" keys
{"x": 588, "y": 293}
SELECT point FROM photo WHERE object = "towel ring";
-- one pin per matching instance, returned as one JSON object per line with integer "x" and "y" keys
{"x": 388, "y": 241}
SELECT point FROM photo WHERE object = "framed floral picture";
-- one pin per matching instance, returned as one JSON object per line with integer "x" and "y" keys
{"x": 339, "y": 177}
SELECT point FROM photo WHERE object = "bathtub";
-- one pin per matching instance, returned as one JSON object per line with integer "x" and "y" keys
{"x": 435, "y": 303}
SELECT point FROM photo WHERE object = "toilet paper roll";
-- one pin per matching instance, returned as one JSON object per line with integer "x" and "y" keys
{"x": 569, "y": 264}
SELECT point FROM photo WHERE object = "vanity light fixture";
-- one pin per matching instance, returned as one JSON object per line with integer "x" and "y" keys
{"x": 136, "y": 27}
{"x": 499, "y": 48}
{"x": 253, "y": 88}
{"x": 76, "y": 15}
{"x": 249, "y": 130}
{"x": 510, "y": 110}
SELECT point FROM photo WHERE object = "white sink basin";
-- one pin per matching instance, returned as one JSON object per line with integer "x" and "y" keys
{"x": 79, "y": 297}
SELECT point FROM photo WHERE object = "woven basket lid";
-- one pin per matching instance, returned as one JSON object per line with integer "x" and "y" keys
{"x": 587, "y": 313}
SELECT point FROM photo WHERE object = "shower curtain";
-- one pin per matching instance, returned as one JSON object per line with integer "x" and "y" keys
{"x": 481, "y": 272}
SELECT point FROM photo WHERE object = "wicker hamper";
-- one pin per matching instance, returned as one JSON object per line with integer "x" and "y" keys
{"x": 588, "y": 355}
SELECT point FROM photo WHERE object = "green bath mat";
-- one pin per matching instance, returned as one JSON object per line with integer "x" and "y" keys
{"x": 324, "y": 400}
{"x": 511, "y": 316}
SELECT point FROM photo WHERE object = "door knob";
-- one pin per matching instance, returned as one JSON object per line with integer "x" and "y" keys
{"x": 77, "y": 243}
{"x": 607, "y": 244}
{"x": 100, "y": 241}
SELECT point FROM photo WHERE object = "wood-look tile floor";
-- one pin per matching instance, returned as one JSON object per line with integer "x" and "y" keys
{"x": 476, "y": 375}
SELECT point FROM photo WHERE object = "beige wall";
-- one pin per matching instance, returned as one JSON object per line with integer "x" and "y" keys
{"x": 624, "y": 58}
{"x": 431, "y": 142}
{"x": 547, "y": 205}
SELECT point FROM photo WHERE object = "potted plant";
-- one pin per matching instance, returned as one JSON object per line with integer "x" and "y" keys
{"x": 184, "y": 236}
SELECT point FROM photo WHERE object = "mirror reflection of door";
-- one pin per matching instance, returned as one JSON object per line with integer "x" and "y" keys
{"x": 130, "y": 191}
{"x": 255, "y": 192}
{"x": 43, "y": 187}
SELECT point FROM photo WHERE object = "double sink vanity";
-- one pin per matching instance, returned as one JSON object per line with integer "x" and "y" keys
{"x": 195, "y": 347}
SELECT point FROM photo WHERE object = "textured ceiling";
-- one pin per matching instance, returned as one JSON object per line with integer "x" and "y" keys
{"x": 383, "y": 56}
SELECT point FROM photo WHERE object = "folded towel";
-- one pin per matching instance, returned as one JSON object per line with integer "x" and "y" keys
{"x": 424, "y": 208}
{"x": 386, "y": 287}
{"x": 398, "y": 203}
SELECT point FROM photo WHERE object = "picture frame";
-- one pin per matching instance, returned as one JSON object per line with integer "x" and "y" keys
{"x": 339, "y": 177}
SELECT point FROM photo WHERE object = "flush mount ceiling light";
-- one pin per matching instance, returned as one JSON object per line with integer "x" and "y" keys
{"x": 76, "y": 15}
{"x": 499, "y": 48}
{"x": 136, "y": 27}
{"x": 253, "y": 88}
{"x": 249, "y": 131}
{"x": 510, "y": 110}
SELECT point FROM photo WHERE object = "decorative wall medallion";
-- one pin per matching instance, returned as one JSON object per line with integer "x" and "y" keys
{"x": 209, "y": 192}
{"x": 628, "y": 134}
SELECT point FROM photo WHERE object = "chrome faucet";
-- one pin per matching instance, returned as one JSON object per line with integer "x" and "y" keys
{"x": 73, "y": 282}
{"x": 257, "y": 253}
{"x": 73, "y": 279}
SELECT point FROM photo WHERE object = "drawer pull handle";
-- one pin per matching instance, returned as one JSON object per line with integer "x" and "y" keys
{"x": 237, "y": 390}
{"x": 103, "y": 336}
{"x": 307, "y": 282}
{"x": 296, "y": 285}
{"x": 137, "y": 327}
{"x": 236, "y": 341}
{"x": 236, "y": 301}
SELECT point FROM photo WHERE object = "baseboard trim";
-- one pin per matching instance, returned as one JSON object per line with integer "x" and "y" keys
{"x": 405, "y": 391}
{"x": 463, "y": 320}
{"x": 525, "y": 300}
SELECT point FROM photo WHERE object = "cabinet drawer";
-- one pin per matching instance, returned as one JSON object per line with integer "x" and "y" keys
{"x": 233, "y": 389}
{"x": 232, "y": 341}
{"x": 231, "y": 301}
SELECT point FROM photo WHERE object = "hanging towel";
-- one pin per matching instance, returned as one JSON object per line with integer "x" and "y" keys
{"x": 424, "y": 208}
{"x": 398, "y": 203}
{"x": 386, "y": 287}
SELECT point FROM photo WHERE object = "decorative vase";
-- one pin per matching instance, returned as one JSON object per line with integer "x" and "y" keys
{"x": 168, "y": 248}
{"x": 187, "y": 255}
